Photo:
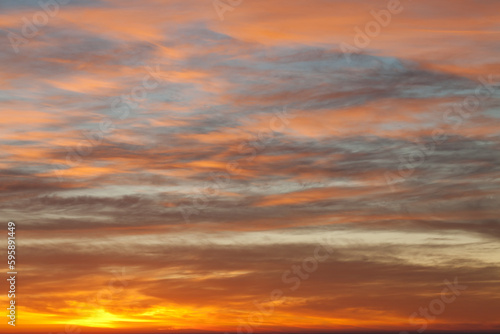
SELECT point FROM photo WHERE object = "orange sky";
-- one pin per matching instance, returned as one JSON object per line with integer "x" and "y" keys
{"x": 225, "y": 166}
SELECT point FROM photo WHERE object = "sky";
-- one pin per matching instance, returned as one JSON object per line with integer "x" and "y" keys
{"x": 249, "y": 166}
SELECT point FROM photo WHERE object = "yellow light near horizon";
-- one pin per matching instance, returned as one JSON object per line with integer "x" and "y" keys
{"x": 99, "y": 318}
{"x": 103, "y": 319}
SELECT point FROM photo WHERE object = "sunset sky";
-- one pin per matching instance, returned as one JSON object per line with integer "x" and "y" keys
{"x": 251, "y": 165}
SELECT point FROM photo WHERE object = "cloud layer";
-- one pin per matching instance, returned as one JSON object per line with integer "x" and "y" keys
{"x": 168, "y": 169}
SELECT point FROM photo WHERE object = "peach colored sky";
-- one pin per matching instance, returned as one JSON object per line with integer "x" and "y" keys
{"x": 168, "y": 169}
